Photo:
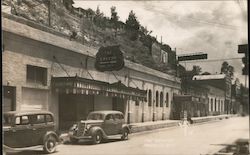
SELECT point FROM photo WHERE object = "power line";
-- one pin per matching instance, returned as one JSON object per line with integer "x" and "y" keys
{"x": 200, "y": 21}
{"x": 211, "y": 60}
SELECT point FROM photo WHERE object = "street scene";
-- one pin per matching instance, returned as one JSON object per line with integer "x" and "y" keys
{"x": 202, "y": 139}
{"x": 125, "y": 77}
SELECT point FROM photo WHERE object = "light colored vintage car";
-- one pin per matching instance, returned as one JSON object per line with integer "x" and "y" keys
{"x": 27, "y": 130}
{"x": 100, "y": 125}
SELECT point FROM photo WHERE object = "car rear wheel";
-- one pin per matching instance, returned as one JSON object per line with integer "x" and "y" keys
{"x": 124, "y": 134}
{"x": 73, "y": 140}
{"x": 50, "y": 144}
{"x": 97, "y": 137}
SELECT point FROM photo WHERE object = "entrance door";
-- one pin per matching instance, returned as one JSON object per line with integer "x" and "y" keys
{"x": 9, "y": 98}
{"x": 118, "y": 104}
{"x": 73, "y": 108}
{"x": 67, "y": 112}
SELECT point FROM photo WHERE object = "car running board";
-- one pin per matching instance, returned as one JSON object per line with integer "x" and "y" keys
{"x": 113, "y": 137}
{"x": 7, "y": 148}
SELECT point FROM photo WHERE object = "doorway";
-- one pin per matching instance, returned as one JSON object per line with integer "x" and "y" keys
{"x": 118, "y": 104}
{"x": 9, "y": 98}
{"x": 73, "y": 108}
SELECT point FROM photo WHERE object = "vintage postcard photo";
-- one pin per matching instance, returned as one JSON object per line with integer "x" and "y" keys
{"x": 125, "y": 77}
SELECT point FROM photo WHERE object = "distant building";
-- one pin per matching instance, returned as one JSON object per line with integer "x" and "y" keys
{"x": 220, "y": 92}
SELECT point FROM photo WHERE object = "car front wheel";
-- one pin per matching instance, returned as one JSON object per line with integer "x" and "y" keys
{"x": 50, "y": 144}
{"x": 124, "y": 134}
{"x": 97, "y": 137}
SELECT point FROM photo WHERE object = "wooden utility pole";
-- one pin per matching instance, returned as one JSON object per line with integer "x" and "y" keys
{"x": 49, "y": 12}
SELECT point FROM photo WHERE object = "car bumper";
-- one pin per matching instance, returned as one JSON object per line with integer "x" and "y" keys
{"x": 79, "y": 137}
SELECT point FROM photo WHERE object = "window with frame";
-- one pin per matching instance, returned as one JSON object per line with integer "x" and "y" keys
{"x": 167, "y": 100}
{"x": 161, "y": 99}
{"x": 49, "y": 118}
{"x": 22, "y": 120}
{"x": 118, "y": 116}
{"x": 157, "y": 99}
{"x": 137, "y": 103}
{"x": 212, "y": 107}
{"x": 37, "y": 75}
{"x": 40, "y": 119}
{"x": 215, "y": 106}
{"x": 109, "y": 117}
{"x": 149, "y": 98}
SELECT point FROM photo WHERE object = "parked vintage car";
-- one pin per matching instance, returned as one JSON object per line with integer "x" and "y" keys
{"x": 100, "y": 125}
{"x": 28, "y": 130}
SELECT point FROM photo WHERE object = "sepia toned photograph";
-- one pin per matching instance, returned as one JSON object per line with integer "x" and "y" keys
{"x": 125, "y": 77}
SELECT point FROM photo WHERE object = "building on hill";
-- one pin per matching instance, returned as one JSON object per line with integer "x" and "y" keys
{"x": 45, "y": 71}
{"x": 164, "y": 58}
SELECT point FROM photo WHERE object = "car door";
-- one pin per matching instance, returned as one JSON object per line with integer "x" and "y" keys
{"x": 39, "y": 128}
{"x": 19, "y": 134}
{"x": 118, "y": 123}
{"x": 109, "y": 125}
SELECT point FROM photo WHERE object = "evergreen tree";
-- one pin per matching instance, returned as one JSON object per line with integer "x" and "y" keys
{"x": 114, "y": 18}
{"x": 227, "y": 69}
{"x": 98, "y": 18}
{"x": 196, "y": 70}
{"x": 132, "y": 26}
{"x": 132, "y": 23}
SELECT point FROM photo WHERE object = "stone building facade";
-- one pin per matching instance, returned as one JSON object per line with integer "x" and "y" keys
{"x": 33, "y": 56}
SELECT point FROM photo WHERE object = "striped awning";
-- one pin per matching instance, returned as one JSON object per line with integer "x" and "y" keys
{"x": 78, "y": 85}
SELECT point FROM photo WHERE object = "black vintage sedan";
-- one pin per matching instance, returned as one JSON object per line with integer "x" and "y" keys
{"x": 100, "y": 125}
{"x": 29, "y": 129}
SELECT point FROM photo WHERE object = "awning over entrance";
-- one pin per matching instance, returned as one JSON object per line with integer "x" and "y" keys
{"x": 188, "y": 98}
{"x": 78, "y": 85}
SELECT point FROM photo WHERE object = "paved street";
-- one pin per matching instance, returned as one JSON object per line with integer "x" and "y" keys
{"x": 199, "y": 139}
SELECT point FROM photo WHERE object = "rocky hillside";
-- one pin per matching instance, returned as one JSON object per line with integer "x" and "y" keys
{"x": 80, "y": 25}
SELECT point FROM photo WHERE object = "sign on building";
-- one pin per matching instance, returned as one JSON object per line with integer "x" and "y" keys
{"x": 192, "y": 57}
{"x": 109, "y": 58}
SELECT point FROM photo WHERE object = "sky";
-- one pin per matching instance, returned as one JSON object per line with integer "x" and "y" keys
{"x": 214, "y": 27}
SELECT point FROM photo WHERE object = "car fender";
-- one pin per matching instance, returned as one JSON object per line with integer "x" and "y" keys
{"x": 126, "y": 126}
{"x": 50, "y": 133}
{"x": 93, "y": 130}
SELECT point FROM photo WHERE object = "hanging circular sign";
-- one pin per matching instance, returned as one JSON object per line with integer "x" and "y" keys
{"x": 109, "y": 58}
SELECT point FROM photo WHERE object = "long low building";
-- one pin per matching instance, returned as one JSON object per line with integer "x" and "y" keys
{"x": 43, "y": 70}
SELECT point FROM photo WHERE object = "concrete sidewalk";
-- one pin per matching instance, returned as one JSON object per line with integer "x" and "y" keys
{"x": 211, "y": 118}
{"x": 147, "y": 126}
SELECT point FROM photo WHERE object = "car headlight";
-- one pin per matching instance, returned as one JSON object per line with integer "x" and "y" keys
{"x": 88, "y": 126}
{"x": 74, "y": 127}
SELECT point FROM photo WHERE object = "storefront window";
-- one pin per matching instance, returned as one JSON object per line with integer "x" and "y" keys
{"x": 161, "y": 99}
{"x": 37, "y": 75}
{"x": 157, "y": 99}
{"x": 149, "y": 98}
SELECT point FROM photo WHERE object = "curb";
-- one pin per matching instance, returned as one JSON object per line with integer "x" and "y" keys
{"x": 144, "y": 128}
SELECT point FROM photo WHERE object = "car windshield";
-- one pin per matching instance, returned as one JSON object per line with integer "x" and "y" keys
{"x": 7, "y": 120}
{"x": 95, "y": 116}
